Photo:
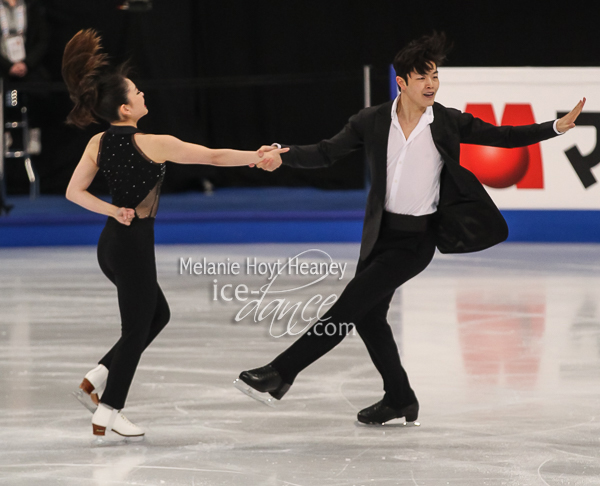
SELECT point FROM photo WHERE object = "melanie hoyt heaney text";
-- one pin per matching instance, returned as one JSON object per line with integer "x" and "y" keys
{"x": 252, "y": 266}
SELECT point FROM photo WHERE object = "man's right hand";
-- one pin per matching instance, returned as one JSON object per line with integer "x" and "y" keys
{"x": 270, "y": 161}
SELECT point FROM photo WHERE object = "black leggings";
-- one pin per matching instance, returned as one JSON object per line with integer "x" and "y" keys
{"x": 126, "y": 256}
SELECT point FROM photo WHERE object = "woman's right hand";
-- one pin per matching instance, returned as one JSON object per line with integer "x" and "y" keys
{"x": 124, "y": 215}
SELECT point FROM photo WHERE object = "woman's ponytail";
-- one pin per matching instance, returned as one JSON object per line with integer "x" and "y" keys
{"x": 81, "y": 66}
{"x": 96, "y": 89}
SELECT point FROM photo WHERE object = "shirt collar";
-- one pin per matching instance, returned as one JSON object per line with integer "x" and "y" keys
{"x": 428, "y": 115}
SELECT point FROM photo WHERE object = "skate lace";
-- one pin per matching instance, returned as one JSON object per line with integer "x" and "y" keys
{"x": 125, "y": 419}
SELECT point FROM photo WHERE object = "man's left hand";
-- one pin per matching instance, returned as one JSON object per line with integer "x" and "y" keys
{"x": 568, "y": 121}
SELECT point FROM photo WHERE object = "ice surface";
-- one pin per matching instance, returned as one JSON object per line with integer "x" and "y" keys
{"x": 502, "y": 348}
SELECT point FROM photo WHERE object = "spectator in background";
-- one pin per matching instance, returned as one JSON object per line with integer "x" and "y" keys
{"x": 24, "y": 40}
{"x": 23, "y": 44}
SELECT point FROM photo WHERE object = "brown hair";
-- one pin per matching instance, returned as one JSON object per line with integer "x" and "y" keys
{"x": 97, "y": 89}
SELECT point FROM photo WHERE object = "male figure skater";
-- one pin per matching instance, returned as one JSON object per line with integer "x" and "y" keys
{"x": 420, "y": 198}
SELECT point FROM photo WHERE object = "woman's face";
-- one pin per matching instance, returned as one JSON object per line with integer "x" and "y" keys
{"x": 137, "y": 106}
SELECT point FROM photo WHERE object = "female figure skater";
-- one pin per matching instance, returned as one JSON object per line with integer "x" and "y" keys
{"x": 133, "y": 164}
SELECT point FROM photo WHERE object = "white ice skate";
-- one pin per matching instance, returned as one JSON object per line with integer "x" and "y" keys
{"x": 91, "y": 388}
{"x": 111, "y": 427}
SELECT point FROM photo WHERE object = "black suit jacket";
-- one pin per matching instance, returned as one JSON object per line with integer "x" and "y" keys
{"x": 467, "y": 219}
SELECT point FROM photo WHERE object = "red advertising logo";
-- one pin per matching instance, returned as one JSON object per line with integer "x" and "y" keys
{"x": 499, "y": 167}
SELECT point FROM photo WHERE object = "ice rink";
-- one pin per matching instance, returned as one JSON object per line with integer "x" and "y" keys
{"x": 502, "y": 348}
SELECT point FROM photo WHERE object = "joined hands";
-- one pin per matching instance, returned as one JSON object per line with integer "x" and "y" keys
{"x": 270, "y": 157}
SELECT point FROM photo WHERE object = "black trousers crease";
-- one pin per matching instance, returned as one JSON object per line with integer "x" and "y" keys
{"x": 397, "y": 257}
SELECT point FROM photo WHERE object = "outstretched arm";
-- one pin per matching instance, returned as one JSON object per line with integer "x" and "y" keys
{"x": 476, "y": 131}
{"x": 322, "y": 154}
{"x": 84, "y": 174}
{"x": 161, "y": 148}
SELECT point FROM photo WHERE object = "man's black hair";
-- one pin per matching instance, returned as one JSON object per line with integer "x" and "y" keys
{"x": 420, "y": 55}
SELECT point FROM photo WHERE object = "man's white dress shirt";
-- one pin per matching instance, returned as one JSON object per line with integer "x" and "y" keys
{"x": 413, "y": 168}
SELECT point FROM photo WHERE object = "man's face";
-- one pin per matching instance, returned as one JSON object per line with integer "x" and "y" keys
{"x": 421, "y": 88}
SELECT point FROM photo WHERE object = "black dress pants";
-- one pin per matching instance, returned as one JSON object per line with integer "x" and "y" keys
{"x": 397, "y": 257}
{"x": 126, "y": 256}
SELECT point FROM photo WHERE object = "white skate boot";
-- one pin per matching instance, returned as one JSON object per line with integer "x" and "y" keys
{"x": 91, "y": 388}
{"x": 110, "y": 426}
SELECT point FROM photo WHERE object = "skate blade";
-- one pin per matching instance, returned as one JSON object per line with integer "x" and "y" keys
{"x": 85, "y": 400}
{"x": 114, "y": 439}
{"x": 388, "y": 425}
{"x": 263, "y": 398}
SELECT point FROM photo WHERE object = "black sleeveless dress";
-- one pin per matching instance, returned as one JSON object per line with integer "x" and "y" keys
{"x": 126, "y": 256}
{"x": 133, "y": 179}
